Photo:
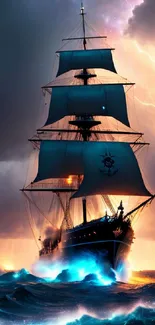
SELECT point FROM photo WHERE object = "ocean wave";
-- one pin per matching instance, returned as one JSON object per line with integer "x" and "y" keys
{"x": 140, "y": 316}
{"x": 40, "y": 302}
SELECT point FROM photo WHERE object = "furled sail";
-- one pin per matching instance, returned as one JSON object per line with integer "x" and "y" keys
{"x": 85, "y": 59}
{"x": 106, "y": 166}
{"x": 97, "y": 100}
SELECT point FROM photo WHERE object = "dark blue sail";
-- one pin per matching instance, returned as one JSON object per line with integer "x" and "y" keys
{"x": 79, "y": 59}
{"x": 97, "y": 100}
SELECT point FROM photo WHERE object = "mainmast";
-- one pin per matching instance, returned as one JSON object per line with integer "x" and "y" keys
{"x": 84, "y": 41}
{"x": 87, "y": 120}
{"x": 85, "y": 135}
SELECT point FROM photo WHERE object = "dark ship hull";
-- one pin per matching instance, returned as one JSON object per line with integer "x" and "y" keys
{"x": 108, "y": 239}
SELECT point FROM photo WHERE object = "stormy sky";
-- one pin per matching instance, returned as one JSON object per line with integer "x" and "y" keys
{"x": 30, "y": 33}
{"x": 142, "y": 23}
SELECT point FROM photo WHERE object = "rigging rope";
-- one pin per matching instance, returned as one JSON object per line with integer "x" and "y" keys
{"x": 29, "y": 218}
{"x": 75, "y": 30}
{"x": 39, "y": 210}
{"x": 108, "y": 203}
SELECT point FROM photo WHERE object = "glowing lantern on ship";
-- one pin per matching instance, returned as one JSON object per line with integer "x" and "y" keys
{"x": 69, "y": 180}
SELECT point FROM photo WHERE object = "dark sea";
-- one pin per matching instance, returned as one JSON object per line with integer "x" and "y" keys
{"x": 27, "y": 299}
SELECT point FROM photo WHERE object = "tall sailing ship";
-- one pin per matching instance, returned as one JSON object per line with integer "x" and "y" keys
{"x": 84, "y": 160}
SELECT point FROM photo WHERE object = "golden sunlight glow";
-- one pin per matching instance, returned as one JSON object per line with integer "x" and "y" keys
{"x": 17, "y": 253}
{"x": 69, "y": 180}
{"x": 8, "y": 266}
{"x": 141, "y": 256}
{"x": 139, "y": 279}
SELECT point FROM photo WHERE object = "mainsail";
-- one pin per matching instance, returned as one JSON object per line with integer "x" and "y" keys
{"x": 106, "y": 166}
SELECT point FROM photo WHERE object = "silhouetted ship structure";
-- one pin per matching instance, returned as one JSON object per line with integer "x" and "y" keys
{"x": 85, "y": 165}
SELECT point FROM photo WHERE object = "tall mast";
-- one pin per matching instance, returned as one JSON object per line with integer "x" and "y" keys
{"x": 84, "y": 41}
{"x": 85, "y": 123}
{"x": 85, "y": 137}
{"x": 83, "y": 23}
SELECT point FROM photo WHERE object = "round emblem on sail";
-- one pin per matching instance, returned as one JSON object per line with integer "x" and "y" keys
{"x": 109, "y": 164}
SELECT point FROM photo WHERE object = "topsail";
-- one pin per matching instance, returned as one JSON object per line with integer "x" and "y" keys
{"x": 79, "y": 59}
{"x": 96, "y": 100}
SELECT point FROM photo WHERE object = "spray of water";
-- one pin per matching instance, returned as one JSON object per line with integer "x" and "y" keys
{"x": 86, "y": 267}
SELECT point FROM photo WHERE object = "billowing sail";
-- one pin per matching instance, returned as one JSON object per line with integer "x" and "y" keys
{"x": 80, "y": 59}
{"x": 111, "y": 168}
{"x": 97, "y": 100}
{"x": 59, "y": 159}
{"x": 108, "y": 167}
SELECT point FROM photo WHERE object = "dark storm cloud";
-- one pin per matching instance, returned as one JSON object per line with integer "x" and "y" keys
{"x": 30, "y": 35}
{"x": 106, "y": 15}
{"x": 142, "y": 24}
{"x": 31, "y": 32}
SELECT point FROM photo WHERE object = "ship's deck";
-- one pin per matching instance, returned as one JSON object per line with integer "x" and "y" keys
{"x": 106, "y": 219}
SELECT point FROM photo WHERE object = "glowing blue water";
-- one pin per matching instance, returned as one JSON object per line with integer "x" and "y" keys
{"x": 85, "y": 268}
{"x": 30, "y": 300}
